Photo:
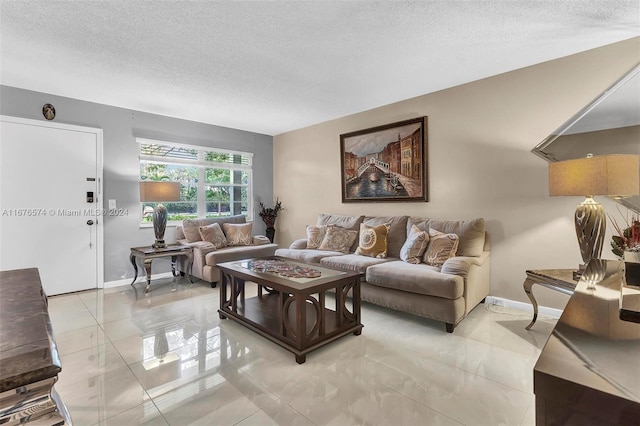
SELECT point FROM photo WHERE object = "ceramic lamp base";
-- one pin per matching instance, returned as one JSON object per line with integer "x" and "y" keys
{"x": 159, "y": 225}
{"x": 591, "y": 224}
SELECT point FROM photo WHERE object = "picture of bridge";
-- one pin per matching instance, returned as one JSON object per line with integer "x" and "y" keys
{"x": 386, "y": 164}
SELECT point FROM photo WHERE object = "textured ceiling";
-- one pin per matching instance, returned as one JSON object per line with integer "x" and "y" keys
{"x": 275, "y": 66}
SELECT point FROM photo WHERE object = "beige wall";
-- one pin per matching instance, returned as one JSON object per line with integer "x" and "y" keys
{"x": 622, "y": 140}
{"x": 479, "y": 141}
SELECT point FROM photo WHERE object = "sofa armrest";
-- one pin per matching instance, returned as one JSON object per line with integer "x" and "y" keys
{"x": 259, "y": 240}
{"x": 460, "y": 265}
{"x": 300, "y": 244}
{"x": 200, "y": 250}
{"x": 476, "y": 272}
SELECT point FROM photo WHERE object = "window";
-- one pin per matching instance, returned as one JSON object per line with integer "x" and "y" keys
{"x": 213, "y": 182}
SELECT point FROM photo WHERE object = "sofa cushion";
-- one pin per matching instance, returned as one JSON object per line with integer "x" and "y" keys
{"x": 420, "y": 279}
{"x": 338, "y": 239}
{"x": 315, "y": 235}
{"x": 260, "y": 239}
{"x": 347, "y": 222}
{"x": 191, "y": 227}
{"x": 373, "y": 240}
{"x": 214, "y": 235}
{"x": 471, "y": 232}
{"x": 414, "y": 247}
{"x": 353, "y": 262}
{"x": 306, "y": 255}
{"x": 440, "y": 248}
{"x": 232, "y": 253}
{"x": 238, "y": 234}
{"x": 397, "y": 231}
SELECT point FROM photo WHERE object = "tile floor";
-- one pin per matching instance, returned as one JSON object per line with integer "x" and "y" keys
{"x": 402, "y": 370}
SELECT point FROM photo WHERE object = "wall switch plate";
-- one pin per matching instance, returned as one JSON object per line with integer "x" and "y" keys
{"x": 112, "y": 204}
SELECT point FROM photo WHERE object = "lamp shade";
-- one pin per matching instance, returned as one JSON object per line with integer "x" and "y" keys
{"x": 157, "y": 192}
{"x": 613, "y": 175}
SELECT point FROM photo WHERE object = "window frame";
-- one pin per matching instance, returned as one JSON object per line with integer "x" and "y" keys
{"x": 200, "y": 163}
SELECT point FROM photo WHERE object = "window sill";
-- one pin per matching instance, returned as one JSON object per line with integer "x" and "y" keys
{"x": 150, "y": 225}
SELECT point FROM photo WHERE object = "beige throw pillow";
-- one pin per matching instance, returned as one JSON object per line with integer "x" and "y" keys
{"x": 415, "y": 246}
{"x": 373, "y": 240}
{"x": 347, "y": 222}
{"x": 191, "y": 230}
{"x": 315, "y": 235}
{"x": 238, "y": 234}
{"x": 338, "y": 239}
{"x": 441, "y": 247}
{"x": 214, "y": 235}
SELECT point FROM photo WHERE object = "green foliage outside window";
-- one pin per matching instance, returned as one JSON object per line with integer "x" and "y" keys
{"x": 226, "y": 190}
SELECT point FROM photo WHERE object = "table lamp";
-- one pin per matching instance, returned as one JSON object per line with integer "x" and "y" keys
{"x": 611, "y": 175}
{"x": 158, "y": 192}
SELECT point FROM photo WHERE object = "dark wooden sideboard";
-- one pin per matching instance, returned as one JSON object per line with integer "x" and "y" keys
{"x": 589, "y": 370}
{"x": 29, "y": 361}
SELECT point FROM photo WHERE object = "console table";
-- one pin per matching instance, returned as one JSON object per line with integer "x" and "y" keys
{"x": 148, "y": 253}
{"x": 589, "y": 370}
{"x": 29, "y": 361}
{"x": 556, "y": 279}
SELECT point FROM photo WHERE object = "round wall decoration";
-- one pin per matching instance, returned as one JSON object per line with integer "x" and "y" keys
{"x": 48, "y": 111}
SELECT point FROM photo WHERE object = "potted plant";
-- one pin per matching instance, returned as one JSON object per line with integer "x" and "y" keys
{"x": 626, "y": 245}
{"x": 269, "y": 216}
{"x": 627, "y": 238}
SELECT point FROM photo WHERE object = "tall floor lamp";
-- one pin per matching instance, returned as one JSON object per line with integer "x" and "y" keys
{"x": 611, "y": 175}
{"x": 158, "y": 192}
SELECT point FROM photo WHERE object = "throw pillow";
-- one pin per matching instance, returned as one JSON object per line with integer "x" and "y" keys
{"x": 191, "y": 230}
{"x": 214, "y": 235}
{"x": 413, "y": 249}
{"x": 346, "y": 222}
{"x": 373, "y": 240}
{"x": 238, "y": 234}
{"x": 441, "y": 247}
{"x": 315, "y": 235}
{"x": 338, "y": 239}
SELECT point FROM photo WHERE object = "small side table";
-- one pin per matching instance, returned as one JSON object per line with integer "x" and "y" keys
{"x": 148, "y": 253}
{"x": 556, "y": 279}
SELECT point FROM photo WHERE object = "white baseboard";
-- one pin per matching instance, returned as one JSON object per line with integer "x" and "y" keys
{"x": 507, "y": 303}
{"x": 127, "y": 281}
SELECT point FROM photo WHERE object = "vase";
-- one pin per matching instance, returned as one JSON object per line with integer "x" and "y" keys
{"x": 271, "y": 233}
{"x": 161, "y": 345}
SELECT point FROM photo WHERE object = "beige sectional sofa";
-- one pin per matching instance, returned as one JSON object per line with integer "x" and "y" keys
{"x": 444, "y": 293}
{"x": 205, "y": 254}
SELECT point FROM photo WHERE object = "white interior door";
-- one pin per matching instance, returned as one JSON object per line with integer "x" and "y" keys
{"x": 47, "y": 171}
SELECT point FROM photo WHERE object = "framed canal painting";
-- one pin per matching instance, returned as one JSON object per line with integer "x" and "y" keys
{"x": 385, "y": 163}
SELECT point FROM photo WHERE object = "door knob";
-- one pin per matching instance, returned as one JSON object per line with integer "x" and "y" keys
{"x": 89, "y": 222}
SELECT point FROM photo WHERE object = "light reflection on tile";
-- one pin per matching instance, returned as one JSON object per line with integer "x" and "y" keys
{"x": 76, "y": 340}
{"x": 89, "y": 363}
{"x": 102, "y": 397}
{"x": 402, "y": 370}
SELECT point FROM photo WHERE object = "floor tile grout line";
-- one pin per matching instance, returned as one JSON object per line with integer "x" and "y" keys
{"x": 416, "y": 401}
{"x": 431, "y": 356}
{"x": 474, "y": 372}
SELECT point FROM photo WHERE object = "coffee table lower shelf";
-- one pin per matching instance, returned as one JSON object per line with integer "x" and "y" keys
{"x": 275, "y": 317}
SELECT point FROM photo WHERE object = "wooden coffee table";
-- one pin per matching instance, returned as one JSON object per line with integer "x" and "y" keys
{"x": 283, "y": 287}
